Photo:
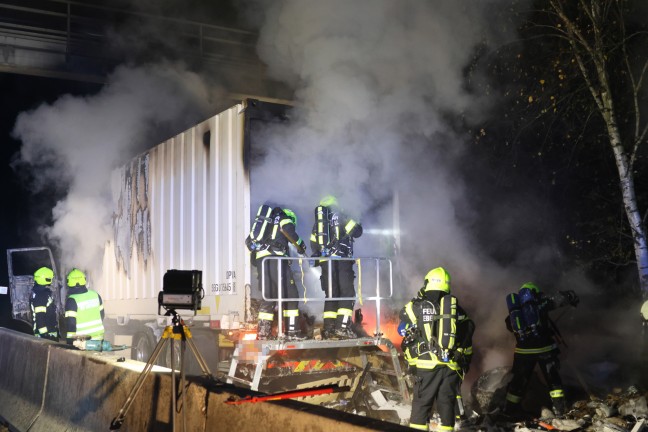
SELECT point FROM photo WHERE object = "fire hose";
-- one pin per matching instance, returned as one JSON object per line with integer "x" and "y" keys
{"x": 289, "y": 395}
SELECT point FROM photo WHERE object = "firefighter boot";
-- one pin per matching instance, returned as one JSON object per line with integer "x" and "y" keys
{"x": 559, "y": 406}
{"x": 264, "y": 329}
{"x": 343, "y": 328}
{"x": 328, "y": 332}
{"x": 512, "y": 410}
{"x": 291, "y": 330}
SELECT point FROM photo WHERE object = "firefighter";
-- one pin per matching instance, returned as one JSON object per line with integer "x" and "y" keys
{"x": 333, "y": 236}
{"x": 84, "y": 312}
{"x": 644, "y": 329}
{"x": 281, "y": 230}
{"x": 537, "y": 345}
{"x": 463, "y": 357}
{"x": 43, "y": 305}
{"x": 443, "y": 355}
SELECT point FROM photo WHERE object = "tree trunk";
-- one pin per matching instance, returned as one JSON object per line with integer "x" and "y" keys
{"x": 626, "y": 181}
{"x": 593, "y": 52}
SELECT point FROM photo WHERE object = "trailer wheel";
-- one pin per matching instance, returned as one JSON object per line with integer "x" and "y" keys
{"x": 143, "y": 346}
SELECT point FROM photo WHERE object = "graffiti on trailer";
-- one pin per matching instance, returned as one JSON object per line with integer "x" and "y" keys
{"x": 132, "y": 219}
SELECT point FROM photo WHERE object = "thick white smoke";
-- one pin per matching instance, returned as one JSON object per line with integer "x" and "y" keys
{"x": 377, "y": 84}
{"x": 76, "y": 142}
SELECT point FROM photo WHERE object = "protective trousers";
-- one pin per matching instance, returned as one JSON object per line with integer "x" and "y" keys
{"x": 341, "y": 285}
{"x": 523, "y": 366}
{"x": 289, "y": 288}
{"x": 440, "y": 384}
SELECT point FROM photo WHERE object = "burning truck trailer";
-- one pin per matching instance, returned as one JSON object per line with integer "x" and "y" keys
{"x": 187, "y": 204}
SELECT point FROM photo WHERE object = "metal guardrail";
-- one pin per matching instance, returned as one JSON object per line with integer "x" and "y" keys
{"x": 377, "y": 298}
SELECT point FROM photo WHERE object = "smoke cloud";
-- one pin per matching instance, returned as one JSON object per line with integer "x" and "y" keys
{"x": 379, "y": 85}
{"x": 75, "y": 143}
{"x": 377, "y": 82}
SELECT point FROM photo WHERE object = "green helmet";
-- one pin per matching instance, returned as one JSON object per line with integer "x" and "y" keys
{"x": 43, "y": 276}
{"x": 291, "y": 214}
{"x": 328, "y": 201}
{"x": 437, "y": 279}
{"x": 76, "y": 277}
{"x": 533, "y": 287}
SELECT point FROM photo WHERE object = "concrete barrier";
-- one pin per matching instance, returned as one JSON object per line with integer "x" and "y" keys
{"x": 23, "y": 371}
{"x": 48, "y": 387}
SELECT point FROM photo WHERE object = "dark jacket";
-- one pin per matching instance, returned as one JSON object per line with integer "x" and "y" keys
{"x": 342, "y": 232}
{"x": 44, "y": 312}
{"x": 464, "y": 331}
{"x": 283, "y": 232}
{"x": 545, "y": 339}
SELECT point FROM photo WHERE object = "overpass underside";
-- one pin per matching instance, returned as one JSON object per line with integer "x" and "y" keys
{"x": 84, "y": 40}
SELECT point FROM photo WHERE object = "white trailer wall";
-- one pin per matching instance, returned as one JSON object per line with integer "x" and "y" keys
{"x": 182, "y": 205}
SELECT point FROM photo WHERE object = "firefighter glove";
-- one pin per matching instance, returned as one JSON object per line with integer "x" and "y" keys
{"x": 462, "y": 360}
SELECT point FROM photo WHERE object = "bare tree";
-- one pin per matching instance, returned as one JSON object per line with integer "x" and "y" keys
{"x": 597, "y": 37}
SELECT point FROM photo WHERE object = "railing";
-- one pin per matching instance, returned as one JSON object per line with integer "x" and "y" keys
{"x": 380, "y": 264}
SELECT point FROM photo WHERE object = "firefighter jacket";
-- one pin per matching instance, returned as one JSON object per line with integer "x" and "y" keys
{"x": 422, "y": 312}
{"x": 544, "y": 340}
{"x": 333, "y": 233}
{"x": 84, "y": 313}
{"x": 283, "y": 231}
{"x": 43, "y": 309}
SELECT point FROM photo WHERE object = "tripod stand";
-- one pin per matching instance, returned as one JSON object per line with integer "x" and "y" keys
{"x": 176, "y": 332}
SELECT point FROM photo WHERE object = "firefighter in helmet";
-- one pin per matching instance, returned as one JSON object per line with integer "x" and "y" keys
{"x": 442, "y": 356}
{"x": 644, "y": 330}
{"x": 43, "y": 305}
{"x": 282, "y": 230}
{"x": 333, "y": 236}
{"x": 536, "y": 343}
{"x": 84, "y": 312}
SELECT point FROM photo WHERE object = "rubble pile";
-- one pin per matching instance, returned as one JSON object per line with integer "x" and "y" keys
{"x": 620, "y": 411}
